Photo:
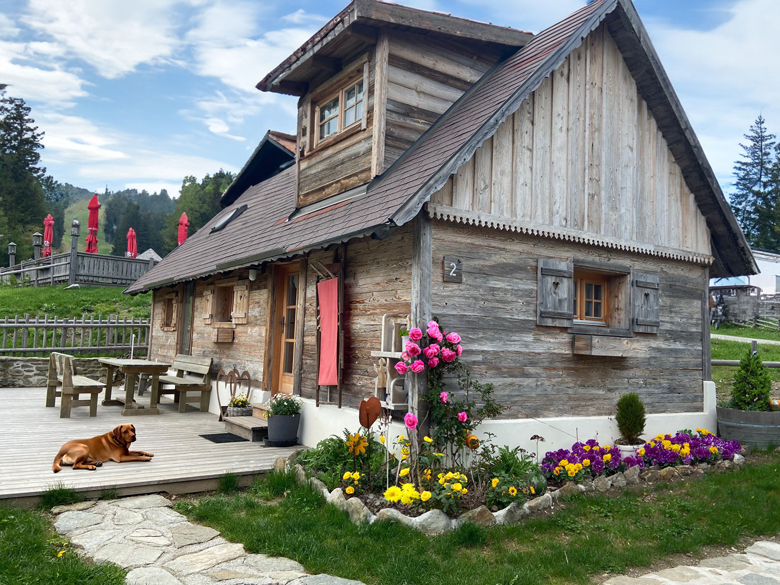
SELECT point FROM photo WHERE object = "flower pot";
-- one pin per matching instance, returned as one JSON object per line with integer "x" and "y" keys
{"x": 283, "y": 428}
{"x": 239, "y": 411}
{"x": 749, "y": 427}
{"x": 629, "y": 450}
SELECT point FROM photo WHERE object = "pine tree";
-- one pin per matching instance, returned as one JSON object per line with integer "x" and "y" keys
{"x": 754, "y": 201}
{"x": 752, "y": 384}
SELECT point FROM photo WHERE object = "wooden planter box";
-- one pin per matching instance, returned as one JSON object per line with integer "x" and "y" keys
{"x": 759, "y": 429}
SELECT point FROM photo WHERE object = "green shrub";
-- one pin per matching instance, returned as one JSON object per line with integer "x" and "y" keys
{"x": 630, "y": 418}
{"x": 228, "y": 483}
{"x": 752, "y": 384}
{"x": 274, "y": 484}
{"x": 59, "y": 495}
{"x": 330, "y": 459}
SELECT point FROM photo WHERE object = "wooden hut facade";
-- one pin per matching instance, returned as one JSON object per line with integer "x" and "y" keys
{"x": 542, "y": 195}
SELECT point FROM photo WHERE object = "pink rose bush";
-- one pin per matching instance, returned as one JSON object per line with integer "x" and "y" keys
{"x": 462, "y": 417}
{"x": 415, "y": 334}
{"x": 410, "y": 421}
{"x": 401, "y": 368}
{"x": 439, "y": 348}
{"x": 418, "y": 366}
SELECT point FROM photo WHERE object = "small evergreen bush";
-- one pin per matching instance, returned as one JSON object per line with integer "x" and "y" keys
{"x": 752, "y": 384}
{"x": 630, "y": 418}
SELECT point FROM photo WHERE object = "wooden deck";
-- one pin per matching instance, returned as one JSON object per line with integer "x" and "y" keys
{"x": 184, "y": 462}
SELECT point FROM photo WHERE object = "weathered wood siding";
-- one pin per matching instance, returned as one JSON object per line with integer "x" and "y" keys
{"x": 425, "y": 76}
{"x": 583, "y": 152}
{"x": 247, "y": 350}
{"x": 342, "y": 162}
{"x": 532, "y": 367}
{"x": 378, "y": 281}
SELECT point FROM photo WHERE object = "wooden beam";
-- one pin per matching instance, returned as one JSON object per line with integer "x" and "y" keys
{"x": 706, "y": 349}
{"x": 602, "y": 346}
{"x": 362, "y": 32}
{"x": 323, "y": 63}
{"x": 293, "y": 87}
{"x": 380, "y": 105}
{"x": 299, "y": 326}
{"x": 422, "y": 270}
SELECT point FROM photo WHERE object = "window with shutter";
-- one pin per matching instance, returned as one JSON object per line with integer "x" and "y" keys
{"x": 646, "y": 309}
{"x": 208, "y": 304}
{"x": 170, "y": 311}
{"x": 241, "y": 302}
{"x": 555, "y": 293}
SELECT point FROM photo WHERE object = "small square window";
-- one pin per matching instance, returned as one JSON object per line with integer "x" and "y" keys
{"x": 590, "y": 298}
{"x": 223, "y": 304}
{"x": 329, "y": 118}
{"x": 342, "y": 111}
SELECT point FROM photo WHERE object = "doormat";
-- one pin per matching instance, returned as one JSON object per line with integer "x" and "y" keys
{"x": 224, "y": 438}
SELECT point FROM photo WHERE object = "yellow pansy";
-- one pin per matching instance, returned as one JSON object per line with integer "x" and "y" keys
{"x": 607, "y": 457}
{"x": 563, "y": 462}
{"x": 596, "y": 448}
{"x": 676, "y": 448}
{"x": 557, "y": 470}
{"x": 641, "y": 452}
{"x": 571, "y": 473}
{"x": 713, "y": 449}
{"x": 586, "y": 448}
{"x": 586, "y": 462}
{"x": 607, "y": 447}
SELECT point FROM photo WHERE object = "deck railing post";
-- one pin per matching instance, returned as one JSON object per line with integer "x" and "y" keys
{"x": 75, "y": 231}
{"x": 37, "y": 244}
{"x": 11, "y": 254}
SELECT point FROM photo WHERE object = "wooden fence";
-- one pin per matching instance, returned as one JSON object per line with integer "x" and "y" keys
{"x": 78, "y": 268}
{"x": 106, "y": 335}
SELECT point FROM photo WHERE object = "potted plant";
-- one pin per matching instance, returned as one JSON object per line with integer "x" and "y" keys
{"x": 284, "y": 416}
{"x": 631, "y": 424}
{"x": 747, "y": 417}
{"x": 239, "y": 406}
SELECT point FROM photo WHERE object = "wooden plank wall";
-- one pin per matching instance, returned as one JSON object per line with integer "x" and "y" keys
{"x": 584, "y": 152}
{"x": 346, "y": 163}
{"x": 378, "y": 281}
{"x": 532, "y": 367}
{"x": 425, "y": 76}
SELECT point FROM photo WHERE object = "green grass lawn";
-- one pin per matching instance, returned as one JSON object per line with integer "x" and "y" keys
{"x": 739, "y": 331}
{"x": 588, "y": 534}
{"x": 55, "y": 300}
{"x": 30, "y": 554}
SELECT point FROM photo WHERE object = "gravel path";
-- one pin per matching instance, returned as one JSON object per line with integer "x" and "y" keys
{"x": 759, "y": 565}
{"x": 161, "y": 547}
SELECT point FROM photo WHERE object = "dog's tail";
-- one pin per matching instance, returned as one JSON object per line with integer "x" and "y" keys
{"x": 56, "y": 465}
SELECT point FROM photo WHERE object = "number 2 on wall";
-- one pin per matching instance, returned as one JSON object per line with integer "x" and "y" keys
{"x": 454, "y": 268}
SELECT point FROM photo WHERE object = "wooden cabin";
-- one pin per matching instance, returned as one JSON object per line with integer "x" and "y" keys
{"x": 543, "y": 195}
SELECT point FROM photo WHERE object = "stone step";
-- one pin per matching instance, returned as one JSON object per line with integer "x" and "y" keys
{"x": 249, "y": 427}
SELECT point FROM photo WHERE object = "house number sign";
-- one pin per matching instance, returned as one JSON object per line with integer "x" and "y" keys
{"x": 453, "y": 269}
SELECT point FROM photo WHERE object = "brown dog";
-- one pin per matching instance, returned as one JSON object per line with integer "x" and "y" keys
{"x": 91, "y": 453}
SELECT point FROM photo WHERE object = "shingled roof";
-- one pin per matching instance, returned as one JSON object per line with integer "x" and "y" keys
{"x": 269, "y": 230}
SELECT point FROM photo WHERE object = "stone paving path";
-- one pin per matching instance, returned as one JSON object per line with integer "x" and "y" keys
{"x": 759, "y": 565}
{"x": 160, "y": 547}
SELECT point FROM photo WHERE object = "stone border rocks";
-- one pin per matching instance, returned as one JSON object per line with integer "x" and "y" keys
{"x": 435, "y": 522}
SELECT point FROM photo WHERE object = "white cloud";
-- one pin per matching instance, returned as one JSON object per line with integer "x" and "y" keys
{"x": 300, "y": 16}
{"x": 725, "y": 76}
{"x": 32, "y": 76}
{"x": 113, "y": 37}
{"x": 72, "y": 139}
{"x": 7, "y": 27}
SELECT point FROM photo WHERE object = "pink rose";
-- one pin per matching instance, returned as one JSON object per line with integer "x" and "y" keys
{"x": 412, "y": 348}
{"x": 459, "y": 350}
{"x": 405, "y": 356}
{"x": 418, "y": 366}
{"x": 432, "y": 325}
{"x": 431, "y": 351}
{"x": 433, "y": 332}
{"x": 462, "y": 416}
{"x": 433, "y": 362}
{"x": 401, "y": 368}
{"x": 443, "y": 397}
{"x": 448, "y": 355}
{"x": 453, "y": 338}
{"x": 410, "y": 421}
{"x": 416, "y": 334}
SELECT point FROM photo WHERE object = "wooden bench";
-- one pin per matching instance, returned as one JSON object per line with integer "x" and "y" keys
{"x": 63, "y": 382}
{"x": 193, "y": 374}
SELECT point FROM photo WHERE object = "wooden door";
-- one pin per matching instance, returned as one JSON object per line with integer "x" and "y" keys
{"x": 284, "y": 330}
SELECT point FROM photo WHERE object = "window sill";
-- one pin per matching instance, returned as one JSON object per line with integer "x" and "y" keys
{"x": 223, "y": 325}
{"x": 580, "y": 329}
{"x": 356, "y": 128}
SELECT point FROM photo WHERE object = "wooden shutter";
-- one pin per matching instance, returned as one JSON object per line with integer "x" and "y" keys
{"x": 646, "y": 313}
{"x": 208, "y": 304}
{"x": 241, "y": 302}
{"x": 555, "y": 300}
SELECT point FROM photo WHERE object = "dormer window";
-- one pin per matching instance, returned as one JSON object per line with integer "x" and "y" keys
{"x": 340, "y": 112}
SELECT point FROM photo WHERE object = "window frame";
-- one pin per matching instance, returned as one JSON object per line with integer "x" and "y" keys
{"x": 337, "y": 87}
{"x": 340, "y": 114}
{"x": 170, "y": 312}
{"x": 581, "y": 279}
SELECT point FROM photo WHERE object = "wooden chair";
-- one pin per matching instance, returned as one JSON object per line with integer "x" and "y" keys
{"x": 193, "y": 374}
{"x": 62, "y": 375}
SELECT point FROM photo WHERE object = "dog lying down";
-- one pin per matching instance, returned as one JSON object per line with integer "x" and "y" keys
{"x": 91, "y": 453}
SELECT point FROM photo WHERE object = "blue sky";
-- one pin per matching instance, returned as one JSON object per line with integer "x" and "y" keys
{"x": 141, "y": 94}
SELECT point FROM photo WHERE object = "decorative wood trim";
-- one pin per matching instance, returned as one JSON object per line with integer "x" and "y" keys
{"x": 270, "y": 330}
{"x": 451, "y": 214}
{"x": 606, "y": 267}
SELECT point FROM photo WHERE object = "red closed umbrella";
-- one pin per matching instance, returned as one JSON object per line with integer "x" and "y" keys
{"x": 132, "y": 246}
{"x": 92, "y": 225}
{"x": 184, "y": 223}
{"x": 48, "y": 235}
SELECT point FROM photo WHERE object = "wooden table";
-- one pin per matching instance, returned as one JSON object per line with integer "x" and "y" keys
{"x": 131, "y": 369}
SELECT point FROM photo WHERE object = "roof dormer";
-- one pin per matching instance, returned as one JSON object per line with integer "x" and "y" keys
{"x": 371, "y": 81}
